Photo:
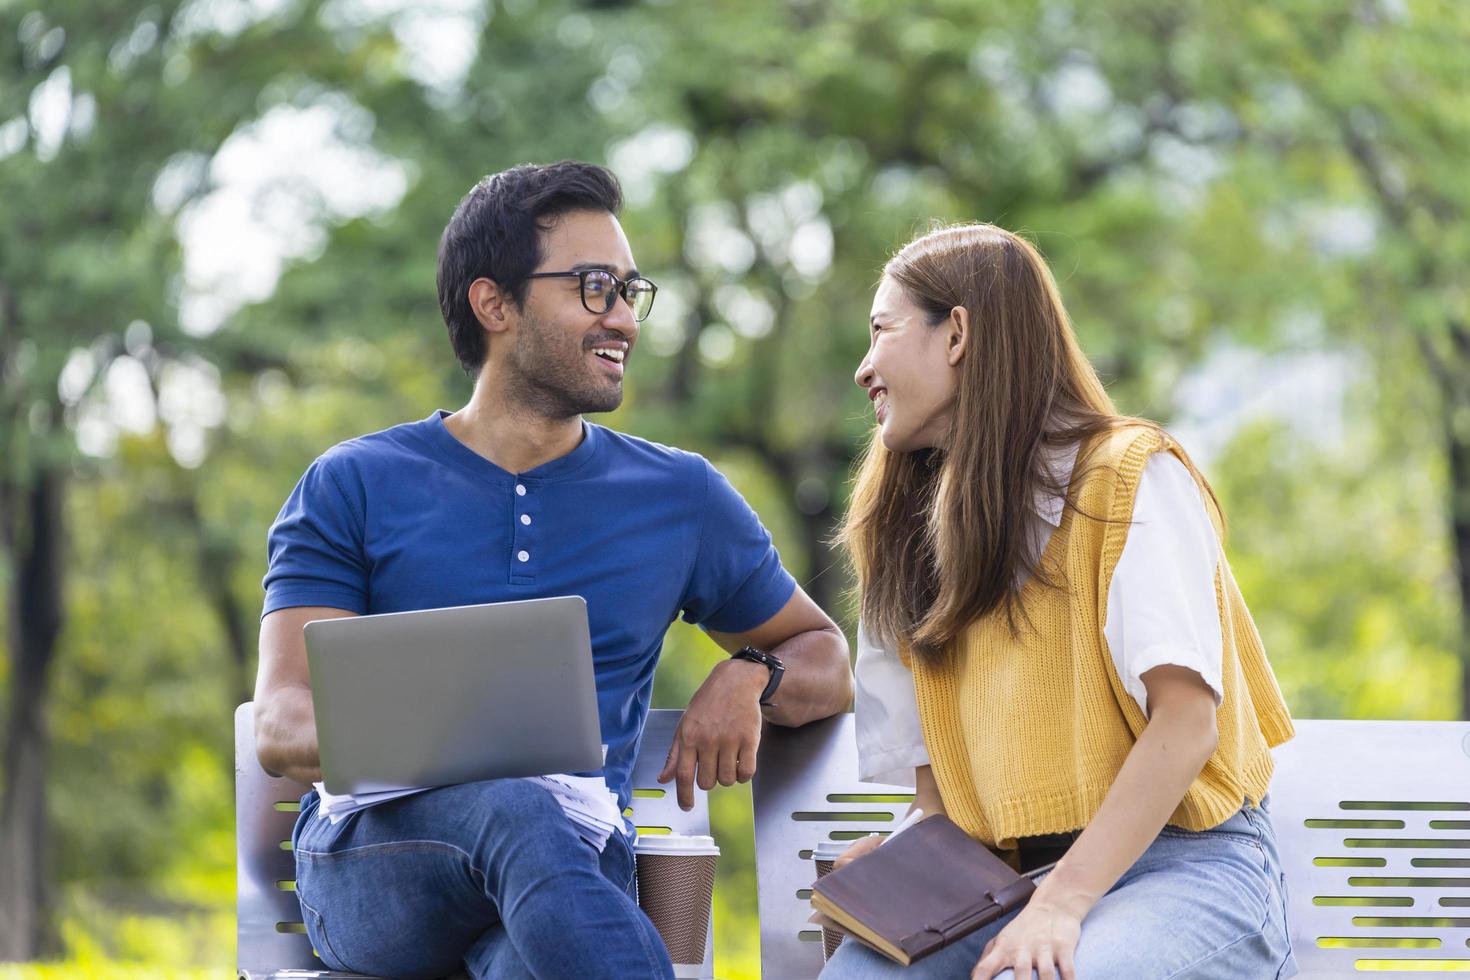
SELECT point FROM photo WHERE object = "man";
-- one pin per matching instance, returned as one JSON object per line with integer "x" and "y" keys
{"x": 515, "y": 497}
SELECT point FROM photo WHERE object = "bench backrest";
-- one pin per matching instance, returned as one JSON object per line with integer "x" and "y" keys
{"x": 1373, "y": 819}
{"x": 270, "y": 934}
{"x": 1374, "y": 823}
{"x": 806, "y": 789}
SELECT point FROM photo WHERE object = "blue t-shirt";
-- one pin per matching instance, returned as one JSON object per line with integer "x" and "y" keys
{"x": 411, "y": 518}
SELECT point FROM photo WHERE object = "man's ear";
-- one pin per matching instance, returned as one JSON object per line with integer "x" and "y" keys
{"x": 492, "y": 306}
{"x": 957, "y": 335}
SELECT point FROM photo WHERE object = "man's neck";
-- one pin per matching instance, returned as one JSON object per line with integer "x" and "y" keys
{"x": 509, "y": 435}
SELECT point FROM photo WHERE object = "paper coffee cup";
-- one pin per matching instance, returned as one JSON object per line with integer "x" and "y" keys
{"x": 824, "y": 854}
{"x": 676, "y": 883}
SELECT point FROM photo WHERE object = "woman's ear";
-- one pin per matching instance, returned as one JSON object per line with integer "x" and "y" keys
{"x": 489, "y": 303}
{"x": 957, "y": 331}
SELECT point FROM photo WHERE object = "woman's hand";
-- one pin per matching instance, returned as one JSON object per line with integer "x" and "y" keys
{"x": 1042, "y": 937}
{"x": 856, "y": 850}
{"x": 1160, "y": 767}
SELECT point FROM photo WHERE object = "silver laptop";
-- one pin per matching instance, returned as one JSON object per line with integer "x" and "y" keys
{"x": 442, "y": 696}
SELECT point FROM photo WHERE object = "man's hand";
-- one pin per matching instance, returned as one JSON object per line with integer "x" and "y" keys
{"x": 285, "y": 719}
{"x": 717, "y": 738}
{"x": 818, "y": 679}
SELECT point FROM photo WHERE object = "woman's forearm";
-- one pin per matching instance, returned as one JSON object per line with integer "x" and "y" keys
{"x": 926, "y": 792}
{"x": 1159, "y": 770}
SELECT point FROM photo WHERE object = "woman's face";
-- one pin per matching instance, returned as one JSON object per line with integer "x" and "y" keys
{"x": 910, "y": 371}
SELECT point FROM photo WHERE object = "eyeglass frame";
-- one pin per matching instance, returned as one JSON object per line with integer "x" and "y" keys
{"x": 620, "y": 290}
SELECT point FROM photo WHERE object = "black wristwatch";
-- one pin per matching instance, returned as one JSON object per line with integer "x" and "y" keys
{"x": 768, "y": 660}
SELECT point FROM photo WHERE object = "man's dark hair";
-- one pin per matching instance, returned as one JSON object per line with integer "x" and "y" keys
{"x": 495, "y": 234}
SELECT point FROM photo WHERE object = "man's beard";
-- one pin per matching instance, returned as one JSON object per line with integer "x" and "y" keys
{"x": 555, "y": 383}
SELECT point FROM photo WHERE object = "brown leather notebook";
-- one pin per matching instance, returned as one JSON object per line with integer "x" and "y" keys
{"x": 920, "y": 891}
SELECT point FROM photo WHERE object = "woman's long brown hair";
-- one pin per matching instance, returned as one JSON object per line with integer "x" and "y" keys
{"x": 939, "y": 538}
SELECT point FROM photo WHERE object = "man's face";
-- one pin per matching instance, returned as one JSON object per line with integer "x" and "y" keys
{"x": 567, "y": 361}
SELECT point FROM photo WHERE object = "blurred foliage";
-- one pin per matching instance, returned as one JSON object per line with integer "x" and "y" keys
{"x": 1281, "y": 180}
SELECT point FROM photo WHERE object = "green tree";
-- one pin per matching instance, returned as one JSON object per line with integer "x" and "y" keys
{"x": 1276, "y": 180}
{"x": 100, "y": 102}
{"x": 1378, "y": 133}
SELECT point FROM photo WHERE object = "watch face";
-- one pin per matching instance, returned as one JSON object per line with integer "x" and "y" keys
{"x": 771, "y": 662}
{"x": 759, "y": 656}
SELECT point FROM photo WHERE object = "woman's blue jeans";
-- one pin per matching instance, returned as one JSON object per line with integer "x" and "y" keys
{"x": 1207, "y": 905}
{"x": 488, "y": 877}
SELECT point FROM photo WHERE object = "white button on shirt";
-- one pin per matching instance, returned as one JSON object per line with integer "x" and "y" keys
{"x": 1161, "y": 610}
{"x": 525, "y": 518}
{"x": 520, "y": 490}
{"x": 524, "y": 556}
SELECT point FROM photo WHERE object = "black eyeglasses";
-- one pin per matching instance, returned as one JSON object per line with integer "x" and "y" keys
{"x": 601, "y": 289}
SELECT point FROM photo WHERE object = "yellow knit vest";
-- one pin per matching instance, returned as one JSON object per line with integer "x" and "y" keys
{"x": 1027, "y": 733}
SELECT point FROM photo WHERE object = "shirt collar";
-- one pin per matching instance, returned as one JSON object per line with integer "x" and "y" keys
{"x": 556, "y": 469}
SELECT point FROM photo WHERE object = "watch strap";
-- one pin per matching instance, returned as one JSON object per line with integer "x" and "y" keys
{"x": 772, "y": 663}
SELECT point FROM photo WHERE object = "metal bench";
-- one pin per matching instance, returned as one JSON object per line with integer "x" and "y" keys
{"x": 1373, "y": 819}
{"x": 271, "y": 938}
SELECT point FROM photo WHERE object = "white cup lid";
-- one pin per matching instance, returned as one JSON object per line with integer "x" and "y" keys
{"x": 674, "y": 844}
{"x": 827, "y": 850}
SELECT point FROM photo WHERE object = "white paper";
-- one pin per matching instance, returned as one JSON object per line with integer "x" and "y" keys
{"x": 337, "y": 808}
{"x": 587, "y": 802}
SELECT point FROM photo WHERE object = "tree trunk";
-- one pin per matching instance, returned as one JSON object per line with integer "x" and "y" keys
{"x": 819, "y": 520}
{"x": 216, "y": 571}
{"x": 1459, "y": 475}
{"x": 825, "y": 575}
{"x": 31, "y": 512}
{"x": 1449, "y": 367}
{"x": 1454, "y": 377}
{"x": 215, "y": 568}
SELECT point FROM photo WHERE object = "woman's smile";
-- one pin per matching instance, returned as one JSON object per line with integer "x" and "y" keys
{"x": 909, "y": 348}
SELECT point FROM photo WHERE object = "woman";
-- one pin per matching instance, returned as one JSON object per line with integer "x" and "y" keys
{"x": 1053, "y": 647}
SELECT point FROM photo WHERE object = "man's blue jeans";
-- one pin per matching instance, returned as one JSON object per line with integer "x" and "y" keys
{"x": 489, "y": 877}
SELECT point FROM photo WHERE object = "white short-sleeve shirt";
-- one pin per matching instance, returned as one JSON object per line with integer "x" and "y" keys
{"x": 1161, "y": 610}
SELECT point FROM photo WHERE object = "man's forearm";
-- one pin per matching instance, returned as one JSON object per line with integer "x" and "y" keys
{"x": 285, "y": 735}
{"x": 818, "y": 679}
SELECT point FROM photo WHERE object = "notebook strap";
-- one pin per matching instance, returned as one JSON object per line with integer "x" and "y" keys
{"x": 1013, "y": 894}
{"x": 996, "y": 905}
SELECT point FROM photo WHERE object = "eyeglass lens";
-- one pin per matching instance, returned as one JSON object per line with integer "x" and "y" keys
{"x": 600, "y": 292}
